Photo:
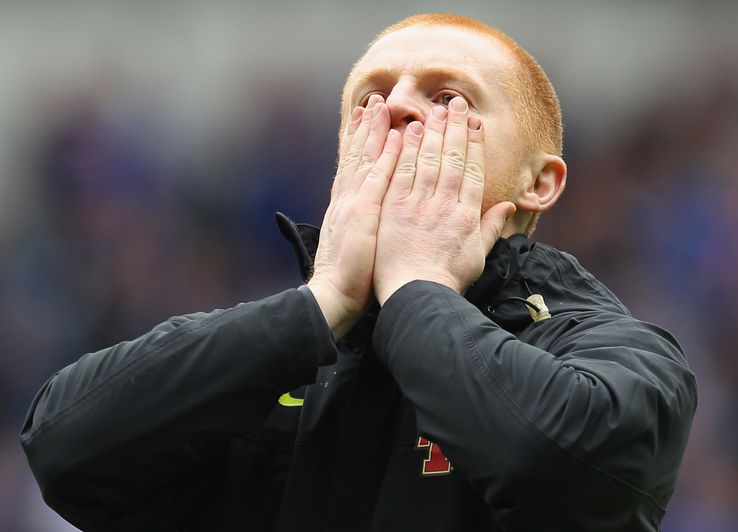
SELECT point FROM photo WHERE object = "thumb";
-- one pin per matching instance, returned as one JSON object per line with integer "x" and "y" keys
{"x": 493, "y": 221}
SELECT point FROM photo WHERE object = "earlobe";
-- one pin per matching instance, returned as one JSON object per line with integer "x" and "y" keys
{"x": 545, "y": 187}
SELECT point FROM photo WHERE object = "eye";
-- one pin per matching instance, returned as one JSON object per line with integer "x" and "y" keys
{"x": 444, "y": 97}
{"x": 365, "y": 99}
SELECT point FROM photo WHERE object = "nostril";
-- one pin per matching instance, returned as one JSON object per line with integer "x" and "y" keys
{"x": 403, "y": 110}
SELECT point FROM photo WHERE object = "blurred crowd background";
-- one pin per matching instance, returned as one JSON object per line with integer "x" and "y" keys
{"x": 145, "y": 146}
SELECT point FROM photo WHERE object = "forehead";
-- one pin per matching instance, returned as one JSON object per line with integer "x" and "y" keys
{"x": 416, "y": 49}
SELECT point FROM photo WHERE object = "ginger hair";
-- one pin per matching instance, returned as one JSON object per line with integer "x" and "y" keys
{"x": 536, "y": 105}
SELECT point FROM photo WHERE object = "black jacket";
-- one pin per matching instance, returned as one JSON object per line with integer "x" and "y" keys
{"x": 576, "y": 422}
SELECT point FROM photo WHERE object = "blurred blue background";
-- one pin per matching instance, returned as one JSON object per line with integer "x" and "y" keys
{"x": 144, "y": 147}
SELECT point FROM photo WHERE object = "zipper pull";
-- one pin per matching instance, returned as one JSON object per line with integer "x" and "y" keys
{"x": 537, "y": 300}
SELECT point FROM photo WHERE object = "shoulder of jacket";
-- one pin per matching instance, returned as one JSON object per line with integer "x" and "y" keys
{"x": 566, "y": 285}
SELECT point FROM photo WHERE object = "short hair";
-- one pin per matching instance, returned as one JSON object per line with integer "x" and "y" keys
{"x": 536, "y": 105}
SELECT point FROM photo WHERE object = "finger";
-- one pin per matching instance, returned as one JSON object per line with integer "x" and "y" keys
{"x": 353, "y": 124}
{"x": 377, "y": 180}
{"x": 401, "y": 183}
{"x": 472, "y": 182}
{"x": 378, "y": 128}
{"x": 358, "y": 139}
{"x": 453, "y": 154}
{"x": 350, "y": 161}
{"x": 429, "y": 156}
{"x": 493, "y": 222}
{"x": 352, "y": 154}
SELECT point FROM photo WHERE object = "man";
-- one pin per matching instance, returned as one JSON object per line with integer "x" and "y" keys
{"x": 496, "y": 385}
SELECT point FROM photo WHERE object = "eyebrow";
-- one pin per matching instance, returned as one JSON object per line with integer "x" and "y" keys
{"x": 471, "y": 81}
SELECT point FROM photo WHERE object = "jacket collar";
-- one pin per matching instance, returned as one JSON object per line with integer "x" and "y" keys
{"x": 503, "y": 276}
{"x": 500, "y": 268}
{"x": 304, "y": 241}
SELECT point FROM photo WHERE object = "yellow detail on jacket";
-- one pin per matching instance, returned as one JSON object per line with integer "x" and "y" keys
{"x": 287, "y": 400}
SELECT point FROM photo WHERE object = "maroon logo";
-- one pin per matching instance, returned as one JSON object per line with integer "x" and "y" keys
{"x": 435, "y": 462}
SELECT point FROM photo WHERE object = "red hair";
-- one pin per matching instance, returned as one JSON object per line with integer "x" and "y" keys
{"x": 536, "y": 105}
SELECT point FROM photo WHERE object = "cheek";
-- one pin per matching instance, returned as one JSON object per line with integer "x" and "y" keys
{"x": 502, "y": 168}
{"x": 496, "y": 191}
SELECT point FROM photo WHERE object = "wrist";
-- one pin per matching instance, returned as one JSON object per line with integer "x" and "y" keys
{"x": 339, "y": 312}
{"x": 385, "y": 290}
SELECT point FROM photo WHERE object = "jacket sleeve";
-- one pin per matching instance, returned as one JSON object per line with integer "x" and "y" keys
{"x": 124, "y": 438}
{"x": 587, "y": 435}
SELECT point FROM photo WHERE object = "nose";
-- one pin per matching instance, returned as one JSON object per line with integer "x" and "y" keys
{"x": 406, "y": 104}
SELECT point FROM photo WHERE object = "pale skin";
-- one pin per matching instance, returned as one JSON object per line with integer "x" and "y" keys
{"x": 423, "y": 191}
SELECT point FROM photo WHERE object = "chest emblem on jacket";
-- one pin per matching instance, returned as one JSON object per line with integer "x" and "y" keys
{"x": 435, "y": 462}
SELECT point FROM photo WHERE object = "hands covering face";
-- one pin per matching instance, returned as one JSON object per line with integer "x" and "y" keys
{"x": 404, "y": 207}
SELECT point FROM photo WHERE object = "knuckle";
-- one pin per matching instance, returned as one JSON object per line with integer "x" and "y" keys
{"x": 446, "y": 210}
{"x": 406, "y": 168}
{"x": 413, "y": 143}
{"x": 469, "y": 218}
{"x": 430, "y": 160}
{"x": 423, "y": 210}
{"x": 454, "y": 158}
{"x": 366, "y": 162}
{"x": 474, "y": 172}
{"x": 476, "y": 138}
{"x": 374, "y": 174}
{"x": 351, "y": 158}
{"x": 434, "y": 129}
{"x": 364, "y": 168}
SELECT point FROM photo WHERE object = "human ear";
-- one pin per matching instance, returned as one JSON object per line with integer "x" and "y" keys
{"x": 549, "y": 180}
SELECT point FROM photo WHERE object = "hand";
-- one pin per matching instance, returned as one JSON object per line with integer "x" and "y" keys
{"x": 430, "y": 224}
{"x": 344, "y": 261}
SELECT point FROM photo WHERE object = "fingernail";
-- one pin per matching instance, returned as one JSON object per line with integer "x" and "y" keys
{"x": 416, "y": 128}
{"x": 458, "y": 104}
{"x": 373, "y": 99}
{"x": 475, "y": 124}
{"x": 356, "y": 114}
{"x": 440, "y": 112}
